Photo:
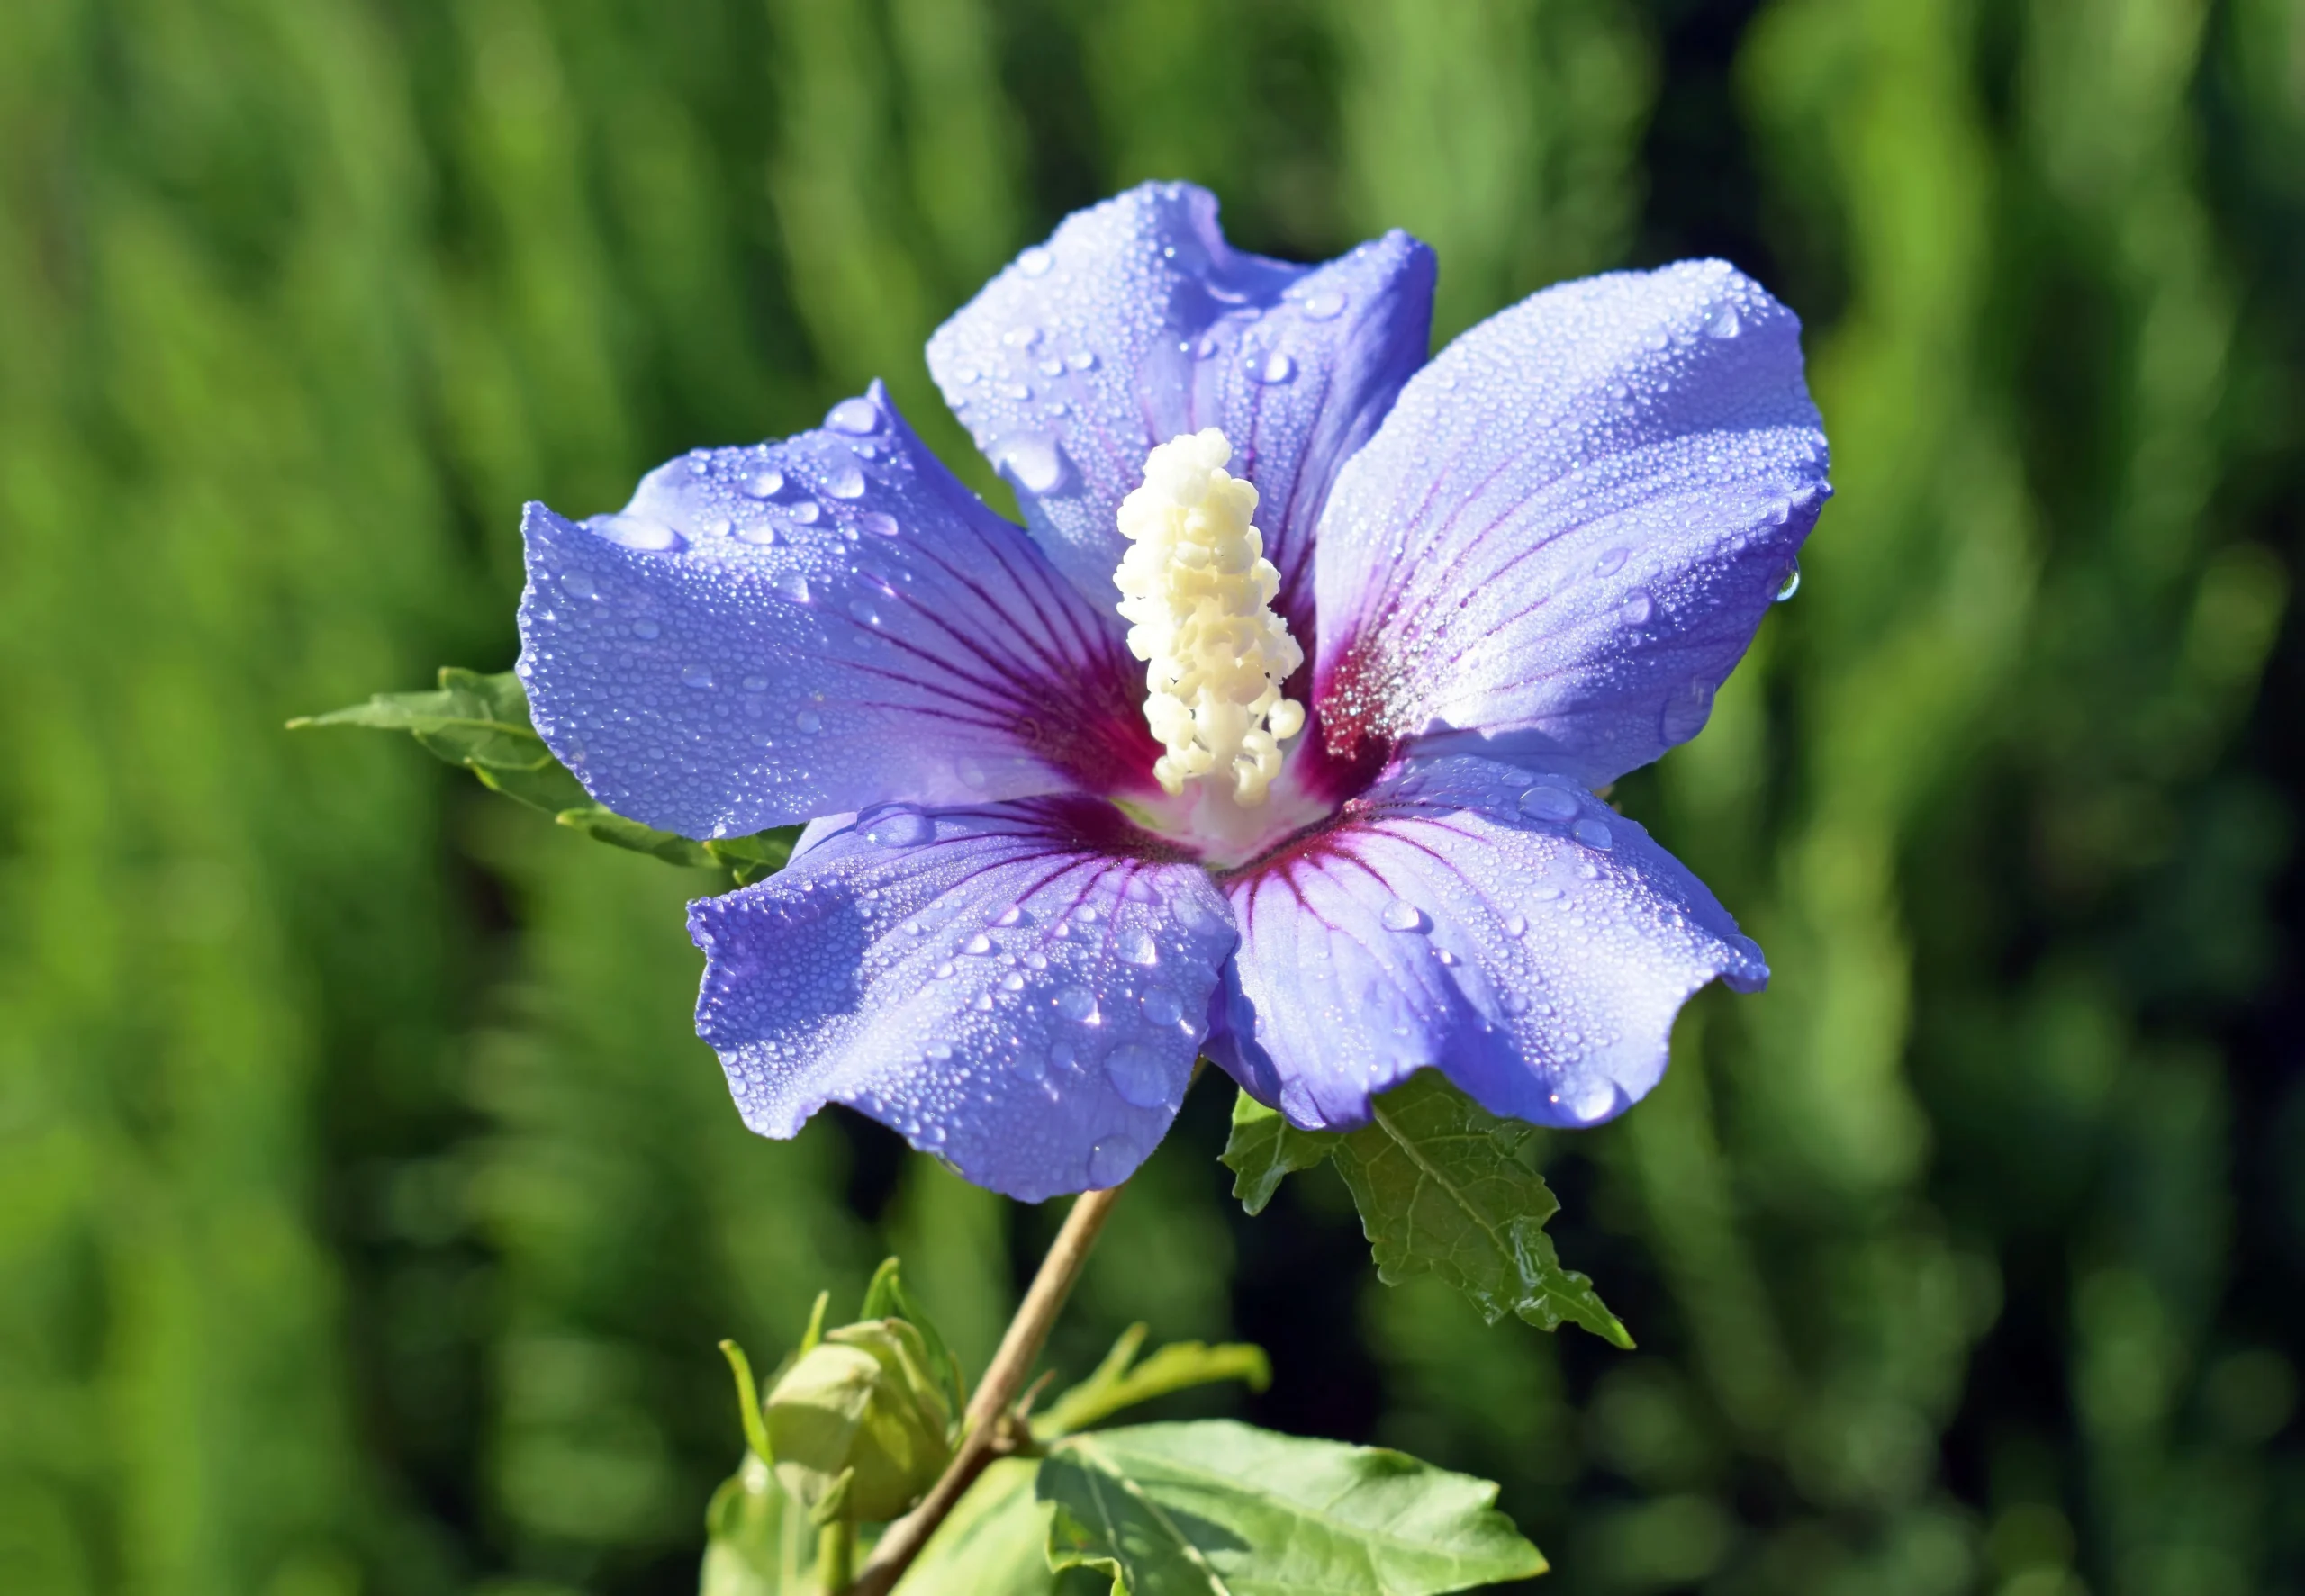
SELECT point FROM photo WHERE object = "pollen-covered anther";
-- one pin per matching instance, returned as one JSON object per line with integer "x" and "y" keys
{"x": 1198, "y": 590}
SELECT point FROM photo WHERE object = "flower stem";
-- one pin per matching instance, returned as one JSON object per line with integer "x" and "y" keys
{"x": 836, "y": 1557}
{"x": 987, "y": 1433}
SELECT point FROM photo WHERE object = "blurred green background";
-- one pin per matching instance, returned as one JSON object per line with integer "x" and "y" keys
{"x": 368, "y": 1209}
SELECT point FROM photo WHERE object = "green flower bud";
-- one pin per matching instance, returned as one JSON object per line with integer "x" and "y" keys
{"x": 860, "y": 1403}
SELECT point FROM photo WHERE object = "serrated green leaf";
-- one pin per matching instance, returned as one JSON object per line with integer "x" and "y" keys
{"x": 481, "y": 722}
{"x": 1441, "y": 1187}
{"x": 1221, "y": 1508}
{"x": 1121, "y": 1382}
{"x": 1264, "y": 1147}
{"x": 757, "y": 1542}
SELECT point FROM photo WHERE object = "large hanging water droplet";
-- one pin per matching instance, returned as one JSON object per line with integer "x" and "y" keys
{"x": 1113, "y": 1160}
{"x": 1791, "y": 584}
{"x": 1138, "y": 1075}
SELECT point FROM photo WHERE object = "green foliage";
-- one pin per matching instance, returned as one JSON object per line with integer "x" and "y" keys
{"x": 1215, "y": 1506}
{"x": 1121, "y": 1382}
{"x": 1442, "y": 1187}
{"x": 757, "y": 1542}
{"x": 482, "y": 724}
{"x": 996, "y": 1541}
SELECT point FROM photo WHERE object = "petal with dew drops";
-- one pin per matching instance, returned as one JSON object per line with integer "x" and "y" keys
{"x": 764, "y": 635}
{"x": 1001, "y": 985}
{"x": 1562, "y": 540}
{"x": 1496, "y": 922}
{"x": 1137, "y": 324}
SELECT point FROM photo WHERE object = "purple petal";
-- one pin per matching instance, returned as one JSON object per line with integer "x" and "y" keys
{"x": 1561, "y": 539}
{"x": 1136, "y": 322}
{"x": 999, "y": 983}
{"x": 767, "y": 634}
{"x": 1497, "y": 922}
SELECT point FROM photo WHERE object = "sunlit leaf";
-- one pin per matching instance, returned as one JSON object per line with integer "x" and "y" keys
{"x": 1264, "y": 1149}
{"x": 1442, "y": 1187}
{"x": 757, "y": 1543}
{"x": 1121, "y": 1382}
{"x": 994, "y": 1544}
{"x": 1226, "y": 1510}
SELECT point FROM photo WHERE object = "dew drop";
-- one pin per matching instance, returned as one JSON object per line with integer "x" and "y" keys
{"x": 1516, "y": 926}
{"x": 1611, "y": 562}
{"x": 793, "y": 585}
{"x": 647, "y": 631}
{"x": 1077, "y": 1004}
{"x": 1545, "y": 801}
{"x": 878, "y": 523}
{"x": 1081, "y": 360}
{"x": 758, "y": 532}
{"x": 755, "y": 684}
{"x": 1593, "y": 834}
{"x": 1637, "y": 610}
{"x": 636, "y": 532}
{"x": 697, "y": 676}
{"x": 1035, "y": 262}
{"x": 1161, "y": 1006}
{"x": 1724, "y": 323}
{"x": 765, "y": 484}
{"x": 858, "y": 418}
{"x": 1514, "y": 1003}
{"x": 1278, "y": 368}
{"x": 810, "y": 721}
{"x": 807, "y": 511}
{"x": 1113, "y": 1160}
{"x": 578, "y": 584}
{"x": 1397, "y": 915}
{"x": 1322, "y": 304}
{"x": 978, "y": 945}
{"x": 863, "y": 612}
{"x": 1784, "y": 590}
{"x": 846, "y": 481}
{"x": 937, "y": 1052}
{"x": 1137, "y": 1074}
{"x": 1133, "y": 944}
{"x": 899, "y": 828}
{"x": 1032, "y": 461}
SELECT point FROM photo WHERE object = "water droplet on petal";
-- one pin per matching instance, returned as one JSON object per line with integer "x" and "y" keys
{"x": 1784, "y": 590}
{"x": 755, "y": 684}
{"x": 878, "y": 523}
{"x": 899, "y": 828}
{"x": 636, "y": 532}
{"x": 1545, "y": 801}
{"x": 807, "y": 511}
{"x": 1397, "y": 915}
{"x": 758, "y": 532}
{"x": 765, "y": 484}
{"x": 1113, "y": 1160}
{"x": 1516, "y": 926}
{"x": 979, "y": 944}
{"x": 1076, "y": 1003}
{"x": 1278, "y": 368}
{"x": 578, "y": 584}
{"x": 1161, "y": 1006}
{"x": 1138, "y": 1075}
{"x": 1195, "y": 915}
{"x": 1134, "y": 945}
{"x": 846, "y": 481}
{"x": 1081, "y": 360}
{"x": 647, "y": 631}
{"x": 698, "y": 676}
{"x": 1032, "y": 461}
{"x": 1593, "y": 834}
{"x": 938, "y": 1052}
{"x": 1611, "y": 562}
{"x": 1637, "y": 610}
{"x": 810, "y": 721}
{"x": 793, "y": 585}
{"x": 859, "y": 418}
{"x": 1035, "y": 262}
{"x": 1724, "y": 323}
{"x": 1514, "y": 1002}
{"x": 1321, "y": 304}
{"x": 863, "y": 612}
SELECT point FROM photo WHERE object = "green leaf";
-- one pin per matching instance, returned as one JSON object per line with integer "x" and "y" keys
{"x": 994, "y": 1543}
{"x": 1441, "y": 1187}
{"x": 1120, "y": 1382}
{"x": 1264, "y": 1147}
{"x": 748, "y": 1411}
{"x": 482, "y": 723}
{"x": 757, "y": 1542}
{"x": 1220, "y": 1507}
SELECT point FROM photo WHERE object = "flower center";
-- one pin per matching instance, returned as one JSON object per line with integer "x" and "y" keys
{"x": 1198, "y": 590}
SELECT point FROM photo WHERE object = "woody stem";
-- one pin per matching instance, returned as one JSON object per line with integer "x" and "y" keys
{"x": 989, "y": 1432}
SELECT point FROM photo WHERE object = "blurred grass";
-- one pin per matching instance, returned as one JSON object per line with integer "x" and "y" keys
{"x": 367, "y": 1210}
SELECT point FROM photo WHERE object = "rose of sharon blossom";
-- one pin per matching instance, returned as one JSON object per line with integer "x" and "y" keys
{"x": 1273, "y": 735}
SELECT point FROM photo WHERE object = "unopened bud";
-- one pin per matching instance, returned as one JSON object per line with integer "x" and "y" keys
{"x": 860, "y": 1403}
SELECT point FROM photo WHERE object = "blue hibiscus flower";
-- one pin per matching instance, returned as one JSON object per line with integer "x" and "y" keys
{"x": 1320, "y": 804}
